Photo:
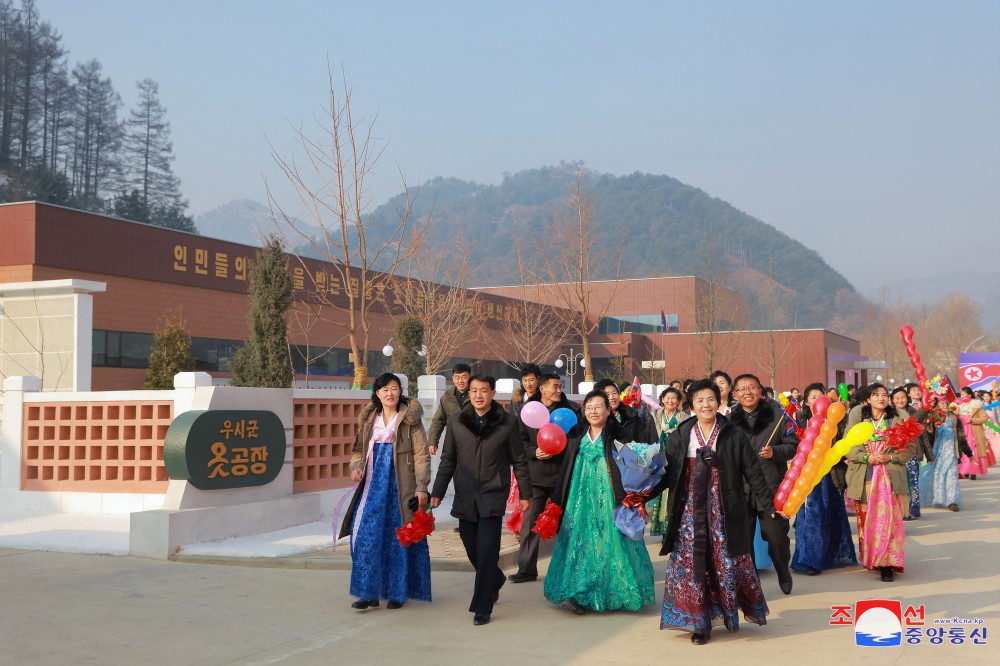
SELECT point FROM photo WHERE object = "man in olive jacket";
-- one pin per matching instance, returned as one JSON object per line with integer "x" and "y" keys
{"x": 452, "y": 402}
{"x": 481, "y": 445}
{"x": 764, "y": 424}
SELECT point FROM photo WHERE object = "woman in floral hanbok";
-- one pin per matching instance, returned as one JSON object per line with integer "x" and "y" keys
{"x": 876, "y": 481}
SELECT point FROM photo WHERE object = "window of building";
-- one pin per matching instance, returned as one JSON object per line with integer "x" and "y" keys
{"x": 638, "y": 324}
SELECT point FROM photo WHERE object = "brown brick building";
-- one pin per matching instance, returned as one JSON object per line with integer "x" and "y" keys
{"x": 149, "y": 270}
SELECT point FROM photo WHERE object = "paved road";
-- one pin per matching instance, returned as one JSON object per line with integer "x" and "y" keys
{"x": 87, "y": 609}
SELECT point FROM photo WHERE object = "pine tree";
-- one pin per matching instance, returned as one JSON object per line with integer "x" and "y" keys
{"x": 170, "y": 354}
{"x": 408, "y": 334}
{"x": 148, "y": 155}
{"x": 264, "y": 360}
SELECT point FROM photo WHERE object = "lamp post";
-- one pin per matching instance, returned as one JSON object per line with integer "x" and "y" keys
{"x": 572, "y": 362}
{"x": 972, "y": 343}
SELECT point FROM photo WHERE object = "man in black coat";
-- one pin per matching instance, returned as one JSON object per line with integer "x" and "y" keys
{"x": 764, "y": 424}
{"x": 544, "y": 473}
{"x": 481, "y": 445}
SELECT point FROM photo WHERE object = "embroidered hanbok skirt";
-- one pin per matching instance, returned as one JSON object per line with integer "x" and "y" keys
{"x": 381, "y": 567}
{"x": 730, "y": 586}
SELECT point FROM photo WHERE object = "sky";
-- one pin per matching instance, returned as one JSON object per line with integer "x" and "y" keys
{"x": 868, "y": 131}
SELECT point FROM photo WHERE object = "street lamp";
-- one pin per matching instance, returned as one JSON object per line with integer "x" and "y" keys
{"x": 572, "y": 361}
{"x": 387, "y": 350}
{"x": 972, "y": 343}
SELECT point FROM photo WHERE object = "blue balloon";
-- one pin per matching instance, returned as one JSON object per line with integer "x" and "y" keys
{"x": 565, "y": 418}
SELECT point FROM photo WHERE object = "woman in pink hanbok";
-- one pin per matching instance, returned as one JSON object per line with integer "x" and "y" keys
{"x": 876, "y": 480}
{"x": 973, "y": 416}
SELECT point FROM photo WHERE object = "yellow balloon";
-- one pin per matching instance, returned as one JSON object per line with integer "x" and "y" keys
{"x": 859, "y": 434}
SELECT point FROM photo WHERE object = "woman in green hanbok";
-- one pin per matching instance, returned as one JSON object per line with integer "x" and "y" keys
{"x": 595, "y": 567}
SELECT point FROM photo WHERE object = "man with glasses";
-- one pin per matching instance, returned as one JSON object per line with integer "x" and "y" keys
{"x": 763, "y": 422}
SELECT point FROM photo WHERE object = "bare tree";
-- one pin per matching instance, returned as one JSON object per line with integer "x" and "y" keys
{"x": 528, "y": 327}
{"x": 436, "y": 295}
{"x": 777, "y": 348}
{"x": 718, "y": 323}
{"x": 572, "y": 255}
{"x": 328, "y": 176}
{"x": 304, "y": 315}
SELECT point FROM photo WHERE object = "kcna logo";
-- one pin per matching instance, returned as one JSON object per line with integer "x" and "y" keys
{"x": 878, "y": 623}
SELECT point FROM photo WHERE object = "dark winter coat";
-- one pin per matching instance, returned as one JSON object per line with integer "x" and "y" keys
{"x": 738, "y": 464}
{"x": 449, "y": 405}
{"x": 545, "y": 473}
{"x": 412, "y": 460}
{"x": 479, "y": 459}
{"x": 635, "y": 426}
{"x": 770, "y": 427}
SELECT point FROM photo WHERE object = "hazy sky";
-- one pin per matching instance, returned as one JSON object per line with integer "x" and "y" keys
{"x": 870, "y": 131}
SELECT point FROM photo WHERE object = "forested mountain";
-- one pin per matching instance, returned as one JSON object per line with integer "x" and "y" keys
{"x": 62, "y": 140}
{"x": 669, "y": 228}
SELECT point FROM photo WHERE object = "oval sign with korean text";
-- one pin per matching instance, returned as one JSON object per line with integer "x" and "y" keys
{"x": 225, "y": 448}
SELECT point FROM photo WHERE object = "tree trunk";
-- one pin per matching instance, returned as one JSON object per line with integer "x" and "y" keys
{"x": 360, "y": 377}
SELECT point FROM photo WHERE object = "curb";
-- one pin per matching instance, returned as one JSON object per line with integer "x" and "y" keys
{"x": 325, "y": 560}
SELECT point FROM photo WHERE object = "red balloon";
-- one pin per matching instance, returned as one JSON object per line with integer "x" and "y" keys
{"x": 551, "y": 439}
{"x": 820, "y": 406}
{"x": 907, "y": 333}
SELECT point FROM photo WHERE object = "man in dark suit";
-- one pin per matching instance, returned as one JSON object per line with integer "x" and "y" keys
{"x": 764, "y": 424}
{"x": 481, "y": 445}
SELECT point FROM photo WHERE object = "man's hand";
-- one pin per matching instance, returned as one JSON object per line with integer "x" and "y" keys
{"x": 525, "y": 505}
{"x": 356, "y": 475}
{"x": 767, "y": 452}
{"x": 433, "y": 450}
{"x": 422, "y": 498}
{"x": 542, "y": 455}
{"x": 435, "y": 502}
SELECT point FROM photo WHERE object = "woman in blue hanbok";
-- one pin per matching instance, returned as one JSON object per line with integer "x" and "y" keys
{"x": 594, "y": 567}
{"x": 822, "y": 532}
{"x": 939, "y": 478}
{"x": 392, "y": 466}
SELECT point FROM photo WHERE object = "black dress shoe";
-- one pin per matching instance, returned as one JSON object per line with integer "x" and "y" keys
{"x": 393, "y": 605}
{"x": 575, "y": 607}
{"x": 953, "y": 507}
{"x": 887, "y": 574}
{"x": 362, "y": 604}
{"x": 522, "y": 577}
{"x": 480, "y": 619}
{"x": 785, "y": 586}
{"x": 699, "y": 639}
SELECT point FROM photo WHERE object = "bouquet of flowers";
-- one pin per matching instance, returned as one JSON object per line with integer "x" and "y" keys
{"x": 548, "y": 520}
{"x": 898, "y": 436}
{"x": 417, "y": 529}
{"x": 641, "y": 466}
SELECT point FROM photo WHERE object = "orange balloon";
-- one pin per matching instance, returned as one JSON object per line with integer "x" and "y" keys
{"x": 829, "y": 429}
{"x": 835, "y": 412}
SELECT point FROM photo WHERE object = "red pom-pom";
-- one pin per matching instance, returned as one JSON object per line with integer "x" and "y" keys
{"x": 417, "y": 529}
{"x": 548, "y": 521}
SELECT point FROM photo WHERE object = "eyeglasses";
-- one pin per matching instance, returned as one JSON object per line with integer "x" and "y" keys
{"x": 747, "y": 389}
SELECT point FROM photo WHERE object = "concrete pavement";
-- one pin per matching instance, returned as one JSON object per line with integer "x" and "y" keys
{"x": 88, "y": 609}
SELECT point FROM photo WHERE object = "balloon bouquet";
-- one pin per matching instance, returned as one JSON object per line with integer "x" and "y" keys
{"x": 816, "y": 455}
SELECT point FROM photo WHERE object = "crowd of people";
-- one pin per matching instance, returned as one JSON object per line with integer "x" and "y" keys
{"x": 727, "y": 445}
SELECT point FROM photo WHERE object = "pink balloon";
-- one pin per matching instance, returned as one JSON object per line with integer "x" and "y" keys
{"x": 534, "y": 415}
